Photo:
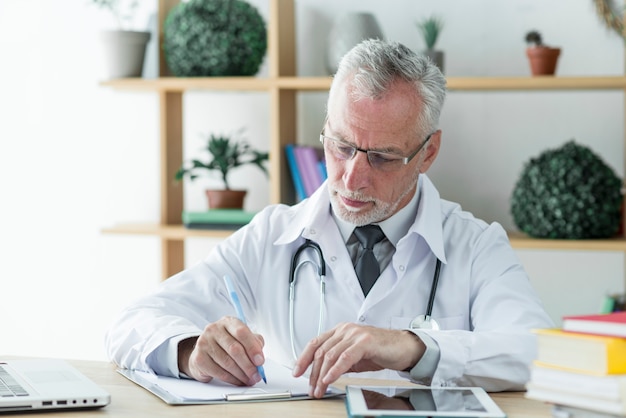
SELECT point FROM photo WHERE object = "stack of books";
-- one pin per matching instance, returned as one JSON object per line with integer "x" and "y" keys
{"x": 217, "y": 219}
{"x": 307, "y": 168}
{"x": 581, "y": 367}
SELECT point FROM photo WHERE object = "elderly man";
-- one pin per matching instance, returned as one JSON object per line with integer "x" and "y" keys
{"x": 413, "y": 284}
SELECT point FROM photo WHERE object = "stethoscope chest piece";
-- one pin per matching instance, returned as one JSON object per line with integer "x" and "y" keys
{"x": 424, "y": 322}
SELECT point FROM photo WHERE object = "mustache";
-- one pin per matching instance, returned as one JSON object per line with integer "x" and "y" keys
{"x": 362, "y": 197}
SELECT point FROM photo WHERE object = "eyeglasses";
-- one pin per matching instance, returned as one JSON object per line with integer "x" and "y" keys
{"x": 383, "y": 161}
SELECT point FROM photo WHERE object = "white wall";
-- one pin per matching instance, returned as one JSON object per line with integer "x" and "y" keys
{"x": 76, "y": 157}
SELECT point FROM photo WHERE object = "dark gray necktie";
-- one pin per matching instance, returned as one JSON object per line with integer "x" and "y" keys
{"x": 367, "y": 268}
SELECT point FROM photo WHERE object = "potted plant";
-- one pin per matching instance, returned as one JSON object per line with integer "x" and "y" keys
{"x": 227, "y": 153}
{"x": 542, "y": 58}
{"x": 431, "y": 29}
{"x": 568, "y": 193}
{"x": 124, "y": 49}
{"x": 214, "y": 38}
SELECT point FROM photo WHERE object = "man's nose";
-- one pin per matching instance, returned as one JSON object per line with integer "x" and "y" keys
{"x": 357, "y": 171}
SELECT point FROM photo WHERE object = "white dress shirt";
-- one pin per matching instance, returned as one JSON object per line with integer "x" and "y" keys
{"x": 485, "y": 304}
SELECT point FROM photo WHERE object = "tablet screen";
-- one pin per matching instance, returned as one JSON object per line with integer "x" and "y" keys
{"x": 431, "y": 399}
{"x": 420, "y": 401}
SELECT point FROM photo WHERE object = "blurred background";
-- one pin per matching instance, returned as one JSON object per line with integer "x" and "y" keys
{"x": 76, "y": 157}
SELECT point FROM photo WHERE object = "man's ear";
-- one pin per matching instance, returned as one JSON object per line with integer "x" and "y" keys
{"x": 432, "y": 149}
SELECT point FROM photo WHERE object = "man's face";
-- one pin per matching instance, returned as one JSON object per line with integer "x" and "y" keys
{"x": 359, "y": 193}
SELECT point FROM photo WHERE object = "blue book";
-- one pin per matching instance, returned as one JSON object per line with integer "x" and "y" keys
{"x": 321, "y": 165}
{"x": 306, "y": 158}
{"x": 295, "y": 173}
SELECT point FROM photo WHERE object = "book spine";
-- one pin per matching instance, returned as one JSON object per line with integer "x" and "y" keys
{"x": 321, "y": 165}
{"x": 218, "y": 216}
{"x": 311, "y": 168}
{"x": 304, "y": 169}
{"x": 574, "y": 355}
{"x": 295, "y": 173}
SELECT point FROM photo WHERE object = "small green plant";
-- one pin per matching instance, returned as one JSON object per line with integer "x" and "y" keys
{"x": 533, "y": 38}
{"x": 227, "y": 152}
{"x": 122, "y": 10}
{"x": 431, "y": 28}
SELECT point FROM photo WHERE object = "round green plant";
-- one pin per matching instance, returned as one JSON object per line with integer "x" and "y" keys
{"x": 569, "y": 193}
{"x": 214, "y": 38}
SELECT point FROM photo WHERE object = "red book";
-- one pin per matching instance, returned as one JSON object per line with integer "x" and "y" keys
{"x": 613, "y": 324}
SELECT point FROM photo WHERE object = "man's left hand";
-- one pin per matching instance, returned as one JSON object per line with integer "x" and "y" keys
{"x": 356, "y": 348}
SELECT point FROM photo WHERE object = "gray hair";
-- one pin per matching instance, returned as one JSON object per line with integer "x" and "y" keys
{"x": 375, "y": 65}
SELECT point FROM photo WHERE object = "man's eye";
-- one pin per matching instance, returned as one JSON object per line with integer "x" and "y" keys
{"x": 381, "y": 158}
{"x": 344, "y": 149}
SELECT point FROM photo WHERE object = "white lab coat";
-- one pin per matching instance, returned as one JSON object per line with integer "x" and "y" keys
{"x": 484, "y": 303}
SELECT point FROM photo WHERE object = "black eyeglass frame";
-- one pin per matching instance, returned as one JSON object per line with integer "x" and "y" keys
{"x": 386, "y": 156}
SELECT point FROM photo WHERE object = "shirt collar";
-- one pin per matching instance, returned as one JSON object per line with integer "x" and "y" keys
{"x": 422, "y": 216}
{"x": 429, "y": 222}
{"x": 308, "y": 216}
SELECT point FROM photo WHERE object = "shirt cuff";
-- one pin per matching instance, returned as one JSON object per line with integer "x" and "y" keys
{"x": 425, "y": 368}
{"x": 164, "y": 360}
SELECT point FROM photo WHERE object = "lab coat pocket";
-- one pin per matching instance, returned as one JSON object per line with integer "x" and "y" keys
{"x": 451, "y": 322}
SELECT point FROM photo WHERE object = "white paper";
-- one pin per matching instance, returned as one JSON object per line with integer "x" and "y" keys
{"x": 279, "y": 380}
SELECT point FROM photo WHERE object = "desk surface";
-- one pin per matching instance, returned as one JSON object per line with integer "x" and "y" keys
{"x": 130, "y": 400}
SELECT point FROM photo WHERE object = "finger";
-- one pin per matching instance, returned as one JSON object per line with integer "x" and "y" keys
{"x": 243, "y": 347}
{"x": 209, "y": 359}
{"x": 250, "y": 343}
{"x": 320, "y": 354}
{"x": 307, "y": 356}
{"x": 332, "y": 359}
{"x": 208, "y": 368}
{"x": 340, "y": 353}
{"x": 223, "y": 354}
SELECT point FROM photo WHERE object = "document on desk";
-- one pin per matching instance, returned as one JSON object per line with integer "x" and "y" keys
{"x": 281, "y": 386}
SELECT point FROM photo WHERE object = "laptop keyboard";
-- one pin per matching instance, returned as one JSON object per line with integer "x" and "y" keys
{"x": 9, "y": 386}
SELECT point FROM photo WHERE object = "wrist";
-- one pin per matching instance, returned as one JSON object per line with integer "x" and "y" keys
{"x": 185, "y": 348}
{"x": 416, "y": 353}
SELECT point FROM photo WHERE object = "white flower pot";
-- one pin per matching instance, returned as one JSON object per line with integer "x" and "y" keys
{"x": 124, "y": 52}
{"x": 348, "y": 31}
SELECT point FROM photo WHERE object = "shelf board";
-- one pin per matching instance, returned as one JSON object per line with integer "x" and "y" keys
{"x": 172, "y": 232}
{"x": 522, "y": 241}
{"x": 536, "y": 83}
{"x": 180, "y": 84}
{"x": 518, "y": 240}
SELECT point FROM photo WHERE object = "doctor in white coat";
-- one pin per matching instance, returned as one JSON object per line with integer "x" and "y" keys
{"x": 380, "y": 137}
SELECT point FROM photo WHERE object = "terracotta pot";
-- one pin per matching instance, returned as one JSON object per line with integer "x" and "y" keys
{"x": 543, "y": 59}
{"x": 225, "y": 199}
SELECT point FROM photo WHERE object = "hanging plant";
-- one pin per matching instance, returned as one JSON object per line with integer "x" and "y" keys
{"x": 214, "y": 38}
{"x": 568, "y": 192}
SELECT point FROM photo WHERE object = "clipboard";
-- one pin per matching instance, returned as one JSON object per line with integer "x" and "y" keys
{"x": 282, "y": 386}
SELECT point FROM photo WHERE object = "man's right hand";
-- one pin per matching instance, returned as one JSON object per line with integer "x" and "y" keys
{"x": 227, "y": 350}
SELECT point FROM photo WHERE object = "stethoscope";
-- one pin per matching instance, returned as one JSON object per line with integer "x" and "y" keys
{"x": 425, "y": 321}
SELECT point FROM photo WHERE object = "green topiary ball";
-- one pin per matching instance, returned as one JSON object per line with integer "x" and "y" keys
{"x": 214, "y": 38}
{"x": 568, "y": 192}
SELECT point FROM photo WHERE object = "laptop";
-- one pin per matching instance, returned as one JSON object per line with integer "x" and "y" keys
{"x": 46, "y": 384}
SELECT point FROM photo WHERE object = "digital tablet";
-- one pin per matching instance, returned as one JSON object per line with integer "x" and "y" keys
{"x": 395, "y": 401}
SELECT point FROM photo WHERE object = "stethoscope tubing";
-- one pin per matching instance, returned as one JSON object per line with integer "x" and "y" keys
{"x": 293, "y": 274}
{"x": 423, "y": 321}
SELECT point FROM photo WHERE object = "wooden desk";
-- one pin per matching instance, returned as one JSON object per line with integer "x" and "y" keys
{"x": 130, "y": 400}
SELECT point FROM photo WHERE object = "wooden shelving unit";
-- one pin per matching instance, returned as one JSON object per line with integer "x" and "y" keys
{"x": 282, "y": 85}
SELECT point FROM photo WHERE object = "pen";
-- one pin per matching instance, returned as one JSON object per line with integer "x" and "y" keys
{"x": 235, "y": 300}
